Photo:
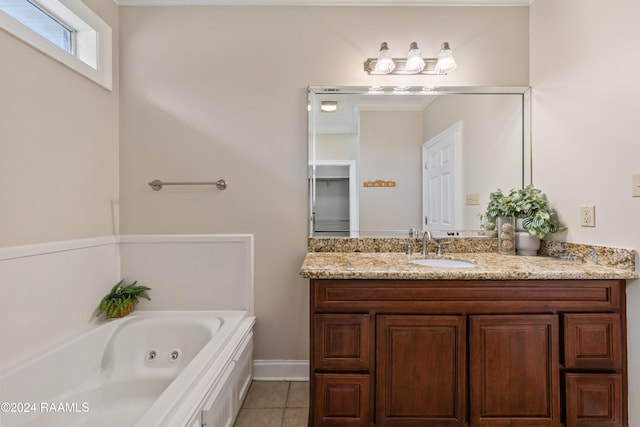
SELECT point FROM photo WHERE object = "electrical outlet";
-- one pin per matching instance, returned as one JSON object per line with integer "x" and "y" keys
{"x": 587, "y": 216}
{"x": 473, "y": 199}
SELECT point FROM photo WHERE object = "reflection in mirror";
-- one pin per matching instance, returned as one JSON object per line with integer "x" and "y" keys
{"x": 388, "y": 160}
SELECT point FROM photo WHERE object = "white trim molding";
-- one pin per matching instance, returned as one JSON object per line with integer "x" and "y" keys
{"x": 281, "y": 370}
{"x": 12, "y": 252}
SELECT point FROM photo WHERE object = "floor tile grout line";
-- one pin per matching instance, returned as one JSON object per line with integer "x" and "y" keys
{"x": 286, "y": 399}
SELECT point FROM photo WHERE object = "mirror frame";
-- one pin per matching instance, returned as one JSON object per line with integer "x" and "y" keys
{"x": 523, "y": 91}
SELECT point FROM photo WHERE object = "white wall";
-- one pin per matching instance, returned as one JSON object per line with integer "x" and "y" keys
{"x": 334, "y": 146}
{"x": 584, "y": 75}
{"x": 211, "y": 92}
{"x": 58, "y": 145}
{"x": 390, "y": 150}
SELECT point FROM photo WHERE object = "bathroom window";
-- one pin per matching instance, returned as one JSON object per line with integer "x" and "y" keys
{"x": 40, "y": 21}
{"x": 69, "y": 32}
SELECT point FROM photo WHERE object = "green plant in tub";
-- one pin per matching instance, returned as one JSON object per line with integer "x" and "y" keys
{"x": 122, "y": 299}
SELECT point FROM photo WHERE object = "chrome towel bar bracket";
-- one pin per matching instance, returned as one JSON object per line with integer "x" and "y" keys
{"x": 157, "y": 185}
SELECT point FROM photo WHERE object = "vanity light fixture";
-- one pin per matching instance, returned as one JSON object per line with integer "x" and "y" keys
{"x": 328, "y": 106}
{"x": 414, "y": 63}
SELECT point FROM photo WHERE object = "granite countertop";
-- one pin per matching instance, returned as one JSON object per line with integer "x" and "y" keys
{"x": 490, "y": 266}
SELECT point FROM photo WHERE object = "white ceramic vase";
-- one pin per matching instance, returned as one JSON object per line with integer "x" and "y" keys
{"x": 526, "y": 243}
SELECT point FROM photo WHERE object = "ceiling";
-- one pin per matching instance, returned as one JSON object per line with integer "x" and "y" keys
{"x": 324, "y": 2}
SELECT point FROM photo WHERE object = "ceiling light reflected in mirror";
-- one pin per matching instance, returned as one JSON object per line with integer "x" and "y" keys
{"x": 329, "y": 106}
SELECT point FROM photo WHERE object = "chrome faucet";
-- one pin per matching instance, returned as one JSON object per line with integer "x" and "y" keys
{"x": 427, "y": 238}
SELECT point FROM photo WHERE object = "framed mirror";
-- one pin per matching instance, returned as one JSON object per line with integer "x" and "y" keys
{"x": 385, "y": 160}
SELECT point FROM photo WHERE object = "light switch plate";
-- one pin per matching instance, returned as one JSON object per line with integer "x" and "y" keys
{"x": 473, "y": 199}
{"x": 635, "y": 185}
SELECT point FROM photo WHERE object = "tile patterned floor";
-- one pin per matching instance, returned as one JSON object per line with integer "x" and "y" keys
{"x": 275, "y": 404}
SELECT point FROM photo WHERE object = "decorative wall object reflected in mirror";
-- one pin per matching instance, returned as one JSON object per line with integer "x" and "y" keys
{"x": 446, "y": 149}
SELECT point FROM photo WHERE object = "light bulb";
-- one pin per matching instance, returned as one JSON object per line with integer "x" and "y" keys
{"x": 445, "y": 63}
{"x": 385, "y": 63}
{"x": 415, "y": 63}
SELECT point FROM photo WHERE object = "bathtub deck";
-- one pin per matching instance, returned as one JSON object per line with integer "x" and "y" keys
{"x": 275, "y": 404}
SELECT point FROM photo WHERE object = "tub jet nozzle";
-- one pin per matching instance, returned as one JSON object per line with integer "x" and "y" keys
{"x": 174, "y": 355}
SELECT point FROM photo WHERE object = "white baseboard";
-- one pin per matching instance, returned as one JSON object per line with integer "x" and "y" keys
{"x": 281, "y": 370}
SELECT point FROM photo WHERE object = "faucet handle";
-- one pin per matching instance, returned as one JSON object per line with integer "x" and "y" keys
{"x": 441, "y": 246}
{"x": 409, "y": 247}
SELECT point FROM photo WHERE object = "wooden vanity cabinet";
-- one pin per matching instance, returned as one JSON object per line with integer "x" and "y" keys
{"x": 530, "y": 353}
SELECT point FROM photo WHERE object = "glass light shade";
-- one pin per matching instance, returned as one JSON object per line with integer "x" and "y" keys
{"x": 415, "y": 63}
{"x": 445, "y": 63}
{"x": 329, "y": 106}
{"x": 385, "y": 63}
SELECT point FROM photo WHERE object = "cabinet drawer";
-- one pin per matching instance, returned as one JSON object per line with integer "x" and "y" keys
{"x": 342, "y": 342}
{"x": 594, "y": 400}
{"x": 341, "y": 400}
{"x": 466, "y": 296}
{"x": 592, "y": 341}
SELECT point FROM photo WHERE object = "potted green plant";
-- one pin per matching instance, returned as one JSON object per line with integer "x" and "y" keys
{"x": 528, "y": 204}
{"x": 499, "y": 205}
{"x": 122, "y": 299}
{"x": 531, "y": 206}
{"x": 534, "y": 216}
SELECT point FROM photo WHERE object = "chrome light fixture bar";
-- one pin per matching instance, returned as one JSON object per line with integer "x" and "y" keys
{"x": 414, "y": 63}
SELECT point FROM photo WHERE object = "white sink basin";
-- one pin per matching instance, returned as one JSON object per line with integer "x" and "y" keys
{"x": 443, "y": 262}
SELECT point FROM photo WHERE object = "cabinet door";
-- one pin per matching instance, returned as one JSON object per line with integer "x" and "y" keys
{"x": 421, "y": 364}
{"x": 342, "y": 342}
{"x": 514, "y": 371}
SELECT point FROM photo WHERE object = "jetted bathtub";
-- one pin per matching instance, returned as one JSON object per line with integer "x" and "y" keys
{"x": 149, "y": 369}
